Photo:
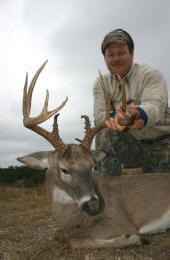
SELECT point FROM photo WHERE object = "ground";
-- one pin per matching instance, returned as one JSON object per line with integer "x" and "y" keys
{"x": 27, "y": 231}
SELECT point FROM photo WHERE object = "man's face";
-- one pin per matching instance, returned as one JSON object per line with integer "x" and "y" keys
{"x": 118, "y": 58}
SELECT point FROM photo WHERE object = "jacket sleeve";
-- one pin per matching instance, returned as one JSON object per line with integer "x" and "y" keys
{"x": 154, "y": 97}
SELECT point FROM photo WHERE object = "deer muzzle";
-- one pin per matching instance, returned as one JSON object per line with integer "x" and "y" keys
{"x": 92, "y": 207}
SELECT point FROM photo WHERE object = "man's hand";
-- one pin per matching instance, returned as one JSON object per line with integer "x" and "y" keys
{"x": 113, "y": 124}
{"x": 131, "y": 110}
{"x": 137, "y": 123}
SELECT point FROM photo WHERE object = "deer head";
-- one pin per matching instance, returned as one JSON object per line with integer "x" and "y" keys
{"x": 69, "y": 165}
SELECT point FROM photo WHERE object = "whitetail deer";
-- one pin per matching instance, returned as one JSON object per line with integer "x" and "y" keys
{"x": 95, "y": 212}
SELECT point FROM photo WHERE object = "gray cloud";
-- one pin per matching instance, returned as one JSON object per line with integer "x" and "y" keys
{"x": 69, "y": 34}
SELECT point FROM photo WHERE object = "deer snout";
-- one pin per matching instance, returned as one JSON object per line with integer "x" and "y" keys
{"x": 92, "y": 207}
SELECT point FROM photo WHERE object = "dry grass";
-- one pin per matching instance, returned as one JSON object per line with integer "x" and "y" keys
{"x": 27, "y": 231}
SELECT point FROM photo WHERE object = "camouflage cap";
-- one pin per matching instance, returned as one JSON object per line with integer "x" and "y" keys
{"x": 119, "y": 36}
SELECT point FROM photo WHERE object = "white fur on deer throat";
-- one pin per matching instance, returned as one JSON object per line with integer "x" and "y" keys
{"x": 158, "y": 225}
{"x": 60, "y": 196}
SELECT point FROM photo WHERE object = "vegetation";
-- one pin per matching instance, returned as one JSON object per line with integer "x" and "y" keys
{"x": 21, "y": 176}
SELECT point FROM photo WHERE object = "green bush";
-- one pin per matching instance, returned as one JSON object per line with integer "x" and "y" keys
{"x": 30, "y": 177}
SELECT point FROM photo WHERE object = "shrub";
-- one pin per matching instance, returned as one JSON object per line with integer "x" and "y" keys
{"x": 30, "y": 177}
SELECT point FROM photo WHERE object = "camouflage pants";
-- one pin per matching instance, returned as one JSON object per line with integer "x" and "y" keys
{"x": 124, "y": 151}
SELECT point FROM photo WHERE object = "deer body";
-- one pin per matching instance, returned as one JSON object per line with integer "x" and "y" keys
{"x": 92, "y": 211}
{"x": 133, "y": 206}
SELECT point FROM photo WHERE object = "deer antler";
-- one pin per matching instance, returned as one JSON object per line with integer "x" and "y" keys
{"x": 127, "y": 116}
{"x": 91, "y": 132}
{"x": 32, "y": 122}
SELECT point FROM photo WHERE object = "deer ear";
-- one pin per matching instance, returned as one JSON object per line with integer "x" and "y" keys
{"x": 98, "y": 156}
{"x": 37, "y": 160}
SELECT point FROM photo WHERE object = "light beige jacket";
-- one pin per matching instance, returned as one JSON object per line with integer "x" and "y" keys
{"x": 146, "y": 87}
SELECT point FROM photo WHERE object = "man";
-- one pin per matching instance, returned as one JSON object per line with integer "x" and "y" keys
{"x": 145, "y": 142}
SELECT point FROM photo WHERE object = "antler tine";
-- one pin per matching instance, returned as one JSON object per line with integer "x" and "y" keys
{"x": 107, "y": 97}
{"x": 27, "y": 97}
{"x": 55, "y": 133}
{"x": 123, "y": 106}
{"x": 91, "y": 132}
{"x": 87, "y": 130}
{"x": 24, "y": 103}
{"x": 32, "y": 122}
{"x": 128, "y": 116}
{"x": 31, "y": 87}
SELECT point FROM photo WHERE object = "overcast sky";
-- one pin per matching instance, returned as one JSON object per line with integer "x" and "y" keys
{"x": 69, "y": 34}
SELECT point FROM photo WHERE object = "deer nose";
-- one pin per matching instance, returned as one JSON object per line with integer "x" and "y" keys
{"x": 91, "y": 207}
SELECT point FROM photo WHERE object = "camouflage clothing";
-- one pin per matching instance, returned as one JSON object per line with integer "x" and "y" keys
{"x": 119, "y": 36}
{"x": 145, "y": 87}
{"x": 124, "y": 151}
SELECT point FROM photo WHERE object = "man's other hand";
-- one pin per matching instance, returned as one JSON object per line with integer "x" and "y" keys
{"x": 113, "y": 124}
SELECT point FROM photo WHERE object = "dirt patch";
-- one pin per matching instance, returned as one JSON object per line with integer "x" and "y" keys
{"x": 27, "y": 231}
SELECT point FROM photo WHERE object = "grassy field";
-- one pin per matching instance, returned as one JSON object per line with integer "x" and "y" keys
{"x": 27, "y": 231}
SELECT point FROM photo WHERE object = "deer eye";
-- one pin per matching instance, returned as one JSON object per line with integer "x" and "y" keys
{"x": 65, "y": 171}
